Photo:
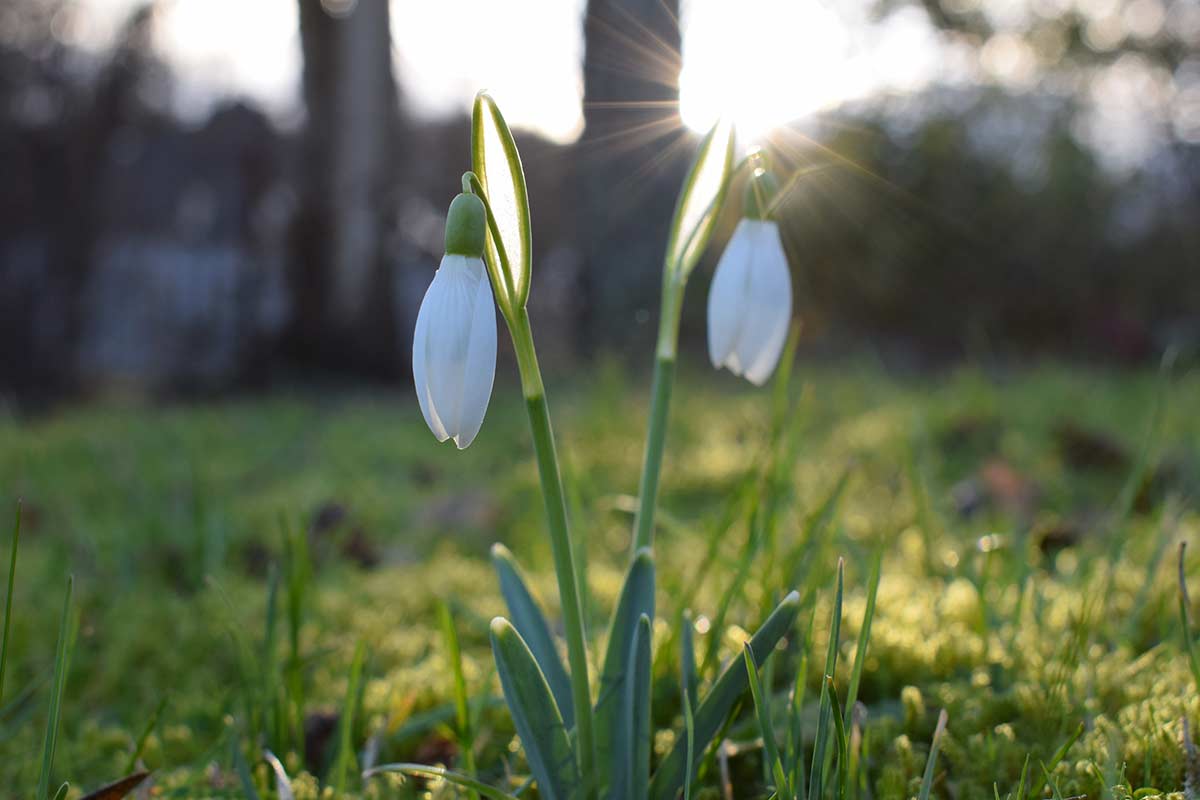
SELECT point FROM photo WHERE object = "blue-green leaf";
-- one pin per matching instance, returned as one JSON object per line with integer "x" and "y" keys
{"x": 530, "y": 622}
{"x": 631, "y": 762}
{"x": 720, "y": 700}
{"x": 636, "y": 601}
{"x": 498, "y": 164}
{"x": 535, "y": 714}
{"x": 687, "y": 659}
{"x": 700, "y": 201}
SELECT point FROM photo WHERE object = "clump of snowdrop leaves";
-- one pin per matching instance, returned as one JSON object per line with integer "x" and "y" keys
{"x": 750, "y": 301}
{"x": 454, "y": 345}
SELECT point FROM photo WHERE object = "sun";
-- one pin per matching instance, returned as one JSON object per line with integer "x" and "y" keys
{"x": 763, "y": 63}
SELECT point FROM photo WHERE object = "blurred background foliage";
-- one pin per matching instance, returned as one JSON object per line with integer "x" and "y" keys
{"x": 1036, "y": 191}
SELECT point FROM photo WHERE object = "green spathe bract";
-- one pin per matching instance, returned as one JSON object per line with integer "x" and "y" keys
{"x": 497, "y": 164}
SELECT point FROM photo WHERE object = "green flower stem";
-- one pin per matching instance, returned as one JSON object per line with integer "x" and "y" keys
{"x": 560, "y": 538}
{"x": 660, "y": 405}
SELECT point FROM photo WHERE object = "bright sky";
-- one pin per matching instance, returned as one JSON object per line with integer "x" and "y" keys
{"x": 760, "y": 62}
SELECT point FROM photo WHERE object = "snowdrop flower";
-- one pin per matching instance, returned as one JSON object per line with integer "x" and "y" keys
{"x": 454, "y": 346}
{"x": 750, "y": 301}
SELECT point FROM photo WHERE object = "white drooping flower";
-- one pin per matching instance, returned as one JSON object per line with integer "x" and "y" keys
{"x": 750, "y": 302}
{"x": 454, "y": 345}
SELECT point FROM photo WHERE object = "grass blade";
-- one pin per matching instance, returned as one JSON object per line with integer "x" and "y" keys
{"x": 12, "y": 579}
{"x": 636, "y": 601}
{"x": 821, "y": 754}
{"x": 462, "y": 714}
{"x": 711, "y": 714}
{"x": 927, "y": 780}
{"x": 242, "y": 769}
{"x": 141, "y": 741}
{"x": 1185, "y": 618}
{"x": 458, "y": 779}
{"x": 61, "y": 657}
{"x": 1024, "y": 775}
{"x": 345, "y": 753}
{"x": 864, "y": 636}
{"x": 535, "y": 714}
{"x": 530, "y": 622}
{"x": 1055, "y": 760}
{"x": 843, "y": 743}
{"x": 795, "y": 735}
{"x": 763, "y": 710}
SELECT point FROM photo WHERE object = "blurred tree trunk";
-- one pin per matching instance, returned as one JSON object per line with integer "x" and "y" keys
{"x": 629, "y": 172}
{"x": 341, "y": 282}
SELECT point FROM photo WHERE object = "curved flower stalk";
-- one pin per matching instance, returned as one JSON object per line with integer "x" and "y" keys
{"x": 695, "y": 217}
{"x": 454, "y": 345}
{"x": 750, "y": 300}
{"x": 499, "y": 182}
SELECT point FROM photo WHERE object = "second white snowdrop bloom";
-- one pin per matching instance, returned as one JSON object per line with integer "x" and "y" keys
{"x": 750, "y": 302}
{"x": 454, "y": 345}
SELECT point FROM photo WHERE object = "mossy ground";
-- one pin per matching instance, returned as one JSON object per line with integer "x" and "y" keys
{"x": 1016, "y": 592}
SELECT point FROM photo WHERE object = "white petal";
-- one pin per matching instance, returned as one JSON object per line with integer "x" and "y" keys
{"x": 420, "y": 381}
{"x": 768, "y": 305}
{"x": 726, "y": 296}
{"x": 480, "y": 368}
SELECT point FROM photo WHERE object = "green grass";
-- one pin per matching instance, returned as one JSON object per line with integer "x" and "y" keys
{"x": 173, "y": 521}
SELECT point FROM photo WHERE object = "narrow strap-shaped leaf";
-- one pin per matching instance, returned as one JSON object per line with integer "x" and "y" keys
{"x": 631, "y": 762}
{"x": 762, "y": 709}
{"x": 700, "y": 201}
{"x": 719, "y": 702}
{"x": 498, "y": 164}
{"x": 535, "y": 714}
{"x": 636, "y": 601}
{"x": 689, "y": 732}
{"x": 687, "y": 659}
{"x": 456, "y": 778}
{"x": 530, "y": 622}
